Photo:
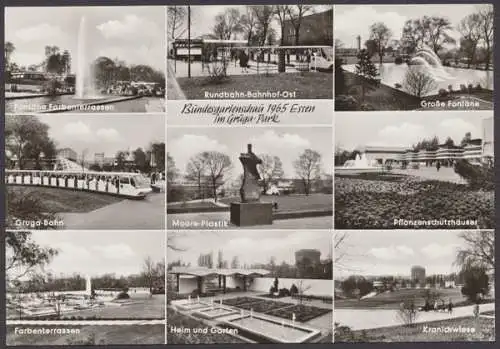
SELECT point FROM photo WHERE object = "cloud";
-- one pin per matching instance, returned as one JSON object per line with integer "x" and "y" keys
{"x": 42, "y": 31}
{"x": 402, "y": 135}
{"x": 347, "y": 25}
{"x": 108, "y": 135}
{"x": 456, "y": 128}
{"x": 151, "y": 52}
{"x": 77, "y": 131}
{"x": 129, "y": 28}
{"x": 271, "y": 141}
{"x": 117, "y": 251}
{"x": 435, "y": 251}
{"x": 391, "y": 252}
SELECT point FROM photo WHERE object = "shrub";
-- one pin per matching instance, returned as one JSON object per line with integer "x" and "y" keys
{"x": 345, "y": 103}
{"x": 415, "y": 166}
{"x": 463, "y": 88}
{"x": 478, "y": 177}
{"x": 407, "y": 312}
{"x": 470, "y": 88}
{"x": 217, "y": 72}
{"x": 283, "y": 292}
{"x": 123, "y": 295}
{"x": 479, "y": 87}
{"x": 366, "y": 107}
{"x": 398, "y": 85}
{"x": 293, "y": 290}
{"x": 450, "y": 88}
{"x": 442, "y": 92}
{"x": 398, "y": 60}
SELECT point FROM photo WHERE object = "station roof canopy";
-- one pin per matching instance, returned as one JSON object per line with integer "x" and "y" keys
{"x": 200, "y": 271}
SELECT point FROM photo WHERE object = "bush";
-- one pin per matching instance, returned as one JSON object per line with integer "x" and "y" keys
{"x": 398, "y": 85}
{"x": 415, "y": 166}
{"x": 463, "y": 88}
{"x": 217, "y": 72}
{"x": 479, "y": 87}
{"x": 366, "y": 107}
{"x": 345, "y": 103}
{"x": 398, "y": 60}
{"x": 123, "y": 295}
{"x": 478, "y": 177}
{"x": 293, "y": 290}
{"x": 470, "y": 88}
{"x": 442, "y": 92}
{"x": 283, "y": 292}
{"x": 450, "y": 88}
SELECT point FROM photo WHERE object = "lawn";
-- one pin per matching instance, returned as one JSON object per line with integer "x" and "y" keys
{"x": 392, "y": 300}
{"x": 89, "y": 335}
{"x": 419, "y": 332}
{"x": 293, "y": 203}
{"x": 177, "y": 320}
{"x": 308, "y": 85}
{"x": 374, "y": 202}
{"x": 63, "y": 200}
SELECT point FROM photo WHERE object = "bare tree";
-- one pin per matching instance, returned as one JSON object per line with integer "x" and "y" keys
{"x": 302, "y": 288}
{"x": 271, "y": 169}
{"x": 264, "y": 15}
{"x": 381, "y": 34}
{"x": 217, "y": 164}
{"x": 486, "y": 26}
{"x": 176, "y": 21}
{"x": 227, "y": 24}
{"x": 195, "y": 170}
{"x": 281, "y": 13}
{"x": 417, "y": 82}
{"x": 249, "y": 24}
{"x": 296, "y": 14}
{"x": 149, "y": 270}
{"x": 478, "y": 250}
{"x": 470, "y": 29}
{"x": 308, "y": 167}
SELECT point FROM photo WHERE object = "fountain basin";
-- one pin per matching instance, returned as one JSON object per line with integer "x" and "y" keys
{"x": 190, "y": 306}
{"x": 216, "y": 312}
{"x": 356, "y": 170}
{"x": 267, "y": 329}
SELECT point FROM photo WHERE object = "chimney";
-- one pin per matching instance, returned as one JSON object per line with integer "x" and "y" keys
{"x": 249, "y": 148}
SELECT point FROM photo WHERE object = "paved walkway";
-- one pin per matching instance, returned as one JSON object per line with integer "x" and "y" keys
{"x": 445, "y": 174}
{"x": 219, "y": 220}
{"x": 147, "y": 214}
{"x": 364, "y": 319}
{"x": 174, "y": 91}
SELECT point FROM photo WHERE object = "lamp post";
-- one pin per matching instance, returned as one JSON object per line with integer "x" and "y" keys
{"x": 189, "y": 41}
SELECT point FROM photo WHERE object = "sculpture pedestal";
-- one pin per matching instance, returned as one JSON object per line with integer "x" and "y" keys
{"x": 251, "y": 213}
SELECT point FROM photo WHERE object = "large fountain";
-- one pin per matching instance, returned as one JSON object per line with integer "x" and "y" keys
{"x": 84, "y": 88}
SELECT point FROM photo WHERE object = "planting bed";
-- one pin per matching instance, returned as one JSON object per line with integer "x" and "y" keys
{"x": 302, "y": 313}
{"x": 238, "y": 301}
{"x": 264, "y": 306}
{"x": 374, "y": 201}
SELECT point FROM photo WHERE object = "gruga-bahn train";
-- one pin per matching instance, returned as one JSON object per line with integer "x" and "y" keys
{"x": 72, "y": 176}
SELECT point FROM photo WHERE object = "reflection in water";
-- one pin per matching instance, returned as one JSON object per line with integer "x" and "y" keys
{"x": 392, "y": 74}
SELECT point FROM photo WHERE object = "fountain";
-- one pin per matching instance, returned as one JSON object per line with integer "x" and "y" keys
{"x": 88, "y": 286}
{"x": 84, "y": 88}
{"x": 359, "y": 165}
{"x": 425, "y": 56}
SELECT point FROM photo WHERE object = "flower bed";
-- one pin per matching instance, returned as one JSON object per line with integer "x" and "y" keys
{"x": 236, "y": 302}
{"x": 302, "y": 313}
{"x": 264, "y": 306}
{"x": 366, "y": 203}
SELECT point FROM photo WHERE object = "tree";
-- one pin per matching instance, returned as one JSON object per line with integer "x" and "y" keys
{"x": 140, "y": 159}
{"x": 227, "y": 24}
{"x": 470, "y": 29}
{"x": 371, "y": 47}
{"x": 308, "y": 167}
{"x": 486, "y": 27}
{"x": 217, "y": 164}
{"x": 176, "y": 21}
{"x": 366, "y": 70}
{"x": 302, "y": 289}
{"x": 271, "y": 170}
{"x": 432, "y": 31}
{"x": 23, "y": 255}
{"x": 478, "y": 250}
{"x": 281, "y": 13}
{"x": 466, "y": 140}
{"x": 449, "y": 142}
{"x": 8, "y": 50}
{"x": 248, "y": 24}
{"x": 418, "y": 82}
{"x": 296, "y": 14}
{"x": 27, "y": 137}
{"x": 381, "y": 34}
{"x": 148, "y": 270}
{"x": 264, "y": 16}
{"x": 196, "y": 171}
{"x": 220, "y": 260}
{"x": 172, "y": 171}
{"x": 158, "y": 153}
{"x": 476, "y": 283}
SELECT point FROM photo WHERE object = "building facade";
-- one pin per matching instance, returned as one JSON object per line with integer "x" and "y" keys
{"x": 315, "y": 29}
{"x": 307, "y": 257}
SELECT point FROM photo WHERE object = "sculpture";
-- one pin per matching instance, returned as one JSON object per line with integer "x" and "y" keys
{"x": 250, "y": 189}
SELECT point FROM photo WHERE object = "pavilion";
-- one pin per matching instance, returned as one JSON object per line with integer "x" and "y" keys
{"x": 211, "y": 280}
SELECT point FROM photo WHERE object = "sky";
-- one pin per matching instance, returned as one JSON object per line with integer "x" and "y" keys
{"x": 394, "y": 252}
{"x": 404, "y": 128}
{"x": 203, "y": 18}
{"x": 133, "y": 34}
{"x": 250, "y": 246}
{"x": 105, "y": 133}
{"x": 285, "y": 142}
{"x": 353, "y": 20}
{"x": 96, "y": 252}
